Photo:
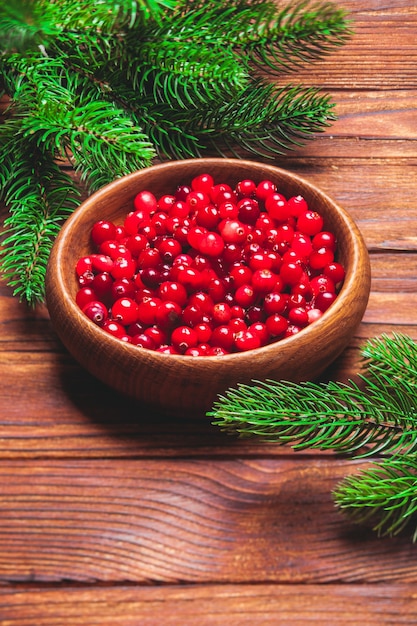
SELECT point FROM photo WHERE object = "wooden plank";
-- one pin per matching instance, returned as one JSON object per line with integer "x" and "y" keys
{"x": 211, "y": 605}
{"x": 229, "y": 521}
{"x": 381, "y": 53}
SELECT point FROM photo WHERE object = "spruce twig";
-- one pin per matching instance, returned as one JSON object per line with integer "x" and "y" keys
{"x": 376, "y": 417}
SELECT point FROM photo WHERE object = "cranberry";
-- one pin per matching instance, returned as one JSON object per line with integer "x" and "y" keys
{"x": 183, "y": 338}
{"x": 297, "y": 205}
{"x": 310, "y": 223}
{"x": 265, "y": 188}
{"x": 223, "y": 336}
{"x": 245, "y": 296}
{"x": 277, "y": 207}
{"x": 103, "y": 230}
{"x": 114, "y": 328}
{"x": 203, "y": 183}
{"x": 145, "y": 201}
{"x": 211, "y": 244}
{"x": 247, "y": 340}
{"x": 168, "y": 314}
{"x": 144, "y": 341}
{"x": 335, "y": 271}
{"x": 84, "y": 296}
{"x": 324, "y": 299}
{"x": 276, "y": 325}
{"x": 125, "y": 310}
{"x": 174, "y": 291}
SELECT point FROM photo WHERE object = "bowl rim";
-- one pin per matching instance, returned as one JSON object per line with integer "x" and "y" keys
{"x": 359, "y": 251}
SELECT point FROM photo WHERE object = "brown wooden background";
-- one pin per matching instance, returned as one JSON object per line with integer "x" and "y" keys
{"x": 110, "y": 516}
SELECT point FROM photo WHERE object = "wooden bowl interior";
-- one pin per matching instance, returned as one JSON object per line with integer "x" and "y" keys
{"x": 180, "y": 384}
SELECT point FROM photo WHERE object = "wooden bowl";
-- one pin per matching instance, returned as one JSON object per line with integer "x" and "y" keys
{"x": 183, "y": 384}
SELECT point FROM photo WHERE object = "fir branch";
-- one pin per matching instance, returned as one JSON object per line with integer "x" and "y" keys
{"x": 69, "y": 116}
{"x": 380, "y": 416}
{"x": 206, "y": 75}
{"x": 266, "y": 120}
{"x": 324, "y": 416}
{"x": 262, "y": 120}
{"x": 40, "y": 196}
{"x": 299, "y": 34}
{"x": 23, "y": 25}
{"x": 26, "y": 24}
{"x": 280, "y": 39}
{"x": 384, "y": 495}
{"x": 393, "y": 357}
{"x": 93, "y": 133}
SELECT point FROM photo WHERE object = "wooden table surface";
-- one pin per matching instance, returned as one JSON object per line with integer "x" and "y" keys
{"x": 113, "y": 516}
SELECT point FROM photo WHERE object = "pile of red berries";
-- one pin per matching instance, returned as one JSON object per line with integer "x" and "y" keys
{"x": 210, "y": 269}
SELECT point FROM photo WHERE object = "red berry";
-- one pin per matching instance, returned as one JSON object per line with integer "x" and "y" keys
{"x": 101, "y": 263}
{"x": 147, "y": 311}
{"x": 168, "y": 314}
{"x": 322, "y": 283}
{"x": 245, "y": 296}
{"x": 125, "y": 310}
{"x": 96, "y": 311}
{"x": 221, "y": 313}
{"x": 246, "y": 187}
{"x": 223, "y": 336}
{"x": 263, "y": 281}
{"x": 114, "y": 328}
{"x": 299, "y": 316}
{"x": 276, "y": 325}
{"x": 183, "y": 338}
{"x": 291, "y": 272}
{"x": 122, "y": 288}
{"x": 314, "y": 315}
{"x": 103, "y": 230}
{"x": 202, "y": 182}
{"x": 173, "y": 291}
{"x": 247, "y": 340}
{"x": 249, "y": 210}
{"x": 310, "y": 222}
{"x": 211, "y": 244}
{"x": 197, "y": 200}
{"x": 192, "y": 315}
{"x": 320, "y": 258}
{"x": 324, "y": 239}
{"x": 335, "y": 271}
{"x": 84, "y": 296}
{"x": 166, "y": 202}
{"x": 297, "y": 205}
{"x": 145, "y": 201}
{"x": 260, "y": 329}
{"x": 277, "y": 207}
{"x": 233, "y": 231}
{"x": 324, "y": 299}
{"x": 265, "y": 188}
{"x": 275, "y": 303}
{"x": 123, "y": 267}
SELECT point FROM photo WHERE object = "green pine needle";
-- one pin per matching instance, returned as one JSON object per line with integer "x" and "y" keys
{"x": 377, "y": 416}
{"x": 40, "y": 197}
{"x": 384, "y": 496}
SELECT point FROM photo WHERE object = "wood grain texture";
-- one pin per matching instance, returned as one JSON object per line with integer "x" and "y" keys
{"x": 212, "y": 605}
{"x": 232, "y": 521}
{"x": 110, "y": 514}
